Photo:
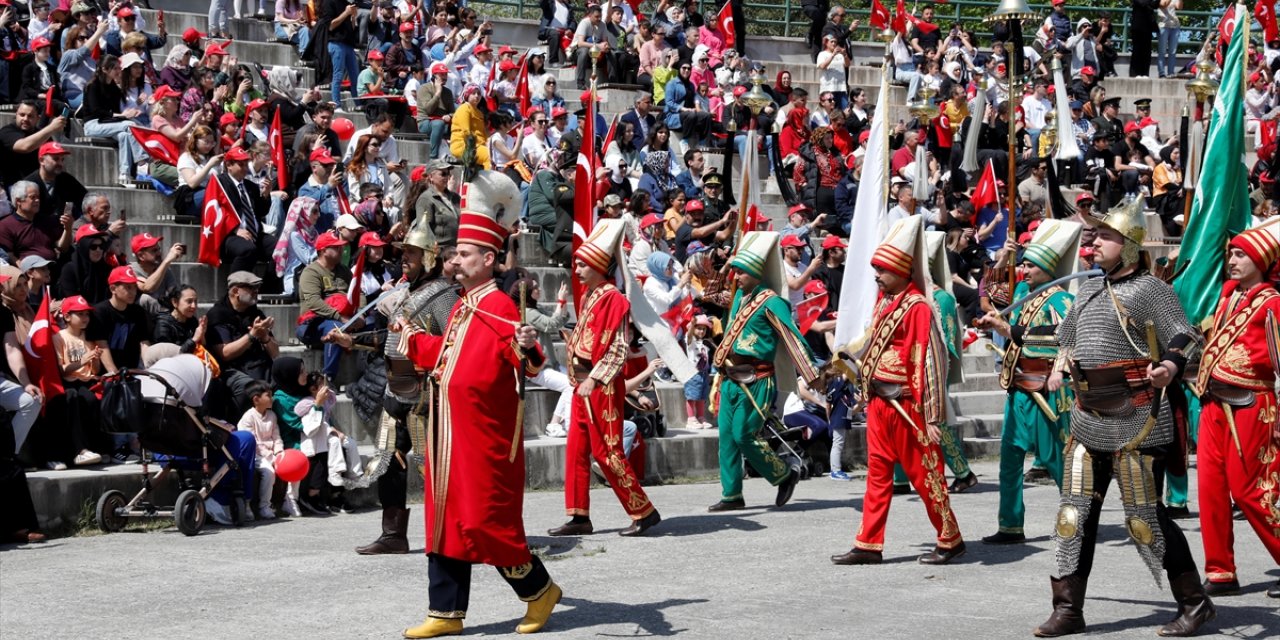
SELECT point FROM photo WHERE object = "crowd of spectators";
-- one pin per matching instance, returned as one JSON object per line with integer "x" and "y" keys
{"x": 439, "y": 74}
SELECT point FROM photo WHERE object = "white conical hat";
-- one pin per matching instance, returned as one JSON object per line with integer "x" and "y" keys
{"x": 1055, "y": 247}
{"x": 902, "y": 252}
{"x": 604, "y": 246}
{"x": 939, "y": 269}
{"x": 490, "y": 206}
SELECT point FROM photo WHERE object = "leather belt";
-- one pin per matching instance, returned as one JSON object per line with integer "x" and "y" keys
{"x": 1031, "y": 374}
{"x": 1112, "y": 390}
{"x": 747, "y": 372}
{"x": 890, "y": 390}
{"x": 1230, "y": 394}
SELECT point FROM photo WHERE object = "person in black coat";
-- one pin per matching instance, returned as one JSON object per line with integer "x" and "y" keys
{"x": 816, "y": 11}
{"x": 1142, "y": 29}
{"x": 250, "y": 243}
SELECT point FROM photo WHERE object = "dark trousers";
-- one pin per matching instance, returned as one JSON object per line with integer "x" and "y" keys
{"x": 71, "y": 424}
{"x": 1177, "y": 554}
{"x": 583, "y": 71}
{"x": 818, "y": 20}
{"x": 623, "y": 67}
{"x": 969, "y": 300}
{"x": 1140, "y": 55}
{"x": 449, "y": 593}
{"x": 393, "y": 485}
{"x": 317, "y": 478}
{"x": 243, "y": 255}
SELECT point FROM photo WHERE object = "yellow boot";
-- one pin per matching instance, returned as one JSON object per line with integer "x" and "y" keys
{"x": 540, "y": 610}
{"x": 434, "y": 627}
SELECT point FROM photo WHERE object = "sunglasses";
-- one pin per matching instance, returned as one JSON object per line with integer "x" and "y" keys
{"x": 97, "y": 246}
{"x": 539, "y": 121}
{"x": 551, "y": 83}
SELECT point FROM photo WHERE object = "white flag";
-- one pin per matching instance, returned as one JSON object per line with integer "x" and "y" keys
{"x": 858, "y": 292}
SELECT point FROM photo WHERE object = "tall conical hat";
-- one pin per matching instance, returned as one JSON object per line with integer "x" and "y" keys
{"x": 604, "y": 246}
{"x": 760, "y": 256}
{"x": 902, "y": 252}
{"x": 490, "y": 205}
{"x": 1261, "y": 244}
{"x": 935, "y": 243}
{"x": 1055, "y": 247}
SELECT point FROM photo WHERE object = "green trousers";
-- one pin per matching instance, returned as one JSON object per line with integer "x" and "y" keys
{"x": 1175, "y": 487}
{"x": 952, "y": 453}
{"x": 740, "y": 424}
{"x": 1028, "y": 429}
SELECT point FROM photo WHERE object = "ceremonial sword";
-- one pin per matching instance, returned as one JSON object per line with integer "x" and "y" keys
{"x": 365, "y": 309}
{"x": 1048, "y": 285}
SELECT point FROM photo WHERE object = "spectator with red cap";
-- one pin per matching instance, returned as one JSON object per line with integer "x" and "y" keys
{"x": 192, "y": 38}
{"x": 76, "y": 412}
{"x": 125, "y": 24}
{"x": 402, "y": 56}
{"x": 151, "y": 266}
{"x": 1133, "y": 161}
{"x": 831, "y": 270}
{"x": 57, "y": 187}
{"x": 435, "y": 107}
{"x": 799, "y": 225}
{"x": 695, "y": 227}
{"x": 380, "y": 271}
{"x": 798, "y": 275}
{"x": 323, "y": 186}
{"x": 321, "y": 282}
{"x": 87, "y": 272}
{"x": 250, "y": 243}
{"x": 120, "y": 326}
{"x": 26, "y": 232}
{"x": 650, "y": 239}
{"x": 41, "y": 74}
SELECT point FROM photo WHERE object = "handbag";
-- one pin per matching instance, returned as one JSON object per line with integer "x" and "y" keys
{"x": 122, "y": 405}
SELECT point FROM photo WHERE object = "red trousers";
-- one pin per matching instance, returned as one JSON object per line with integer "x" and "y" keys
{"x": 890, "y": 440}
{"x": 1252, "y": 481}
{"x": 595, "y": 431}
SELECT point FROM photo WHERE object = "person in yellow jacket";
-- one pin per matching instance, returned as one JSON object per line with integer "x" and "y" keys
{"x": 468, "y": 123}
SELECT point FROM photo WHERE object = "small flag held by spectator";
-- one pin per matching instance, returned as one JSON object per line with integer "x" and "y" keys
{"x": 218, "y": 220}
{"x": 276, "y": 138}
{"x": 157, "y": 145}
{"x": 42, "y": 360}
{"x": 879, "y": 15}
{"x": 724, "y": 21}
{"x": 985, "y": 193}
{"x": 809, "y": 310}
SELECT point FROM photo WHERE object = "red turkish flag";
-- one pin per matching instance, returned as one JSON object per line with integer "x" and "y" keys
{"x": 584, "y": 178}
{"x": 344, "y": 205}
{"x": 158, "y": 145}
{"x": 613, "y": 132}
{"x": 351, "y": 302}
{"x": 900, "y": 17}
{"x": 724, "y": 22}
{"x": 1265, "y": 12}
{"x": 809, "y": 310}
{"x": 879, "y": 15}
{"x": 275, "y": 137}
{"x": 217, "y": 221}
{"x": 679, "y": 315}
{"x": 986, "y": 192}
{"x": 635, "y": 8}
{"x": 921, "y": 25}
{"x": 38, "y": 351}
{"x": 522, "y": 87}
{"x": 48, "y": 103}
{"x": 1227, "y": 25}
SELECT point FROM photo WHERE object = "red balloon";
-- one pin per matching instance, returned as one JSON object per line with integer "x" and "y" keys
{"x": 343, "y": 127}
{"x": 292, "y": 466}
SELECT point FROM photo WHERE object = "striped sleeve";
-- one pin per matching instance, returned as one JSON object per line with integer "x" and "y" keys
{"x": 793, "y": 342}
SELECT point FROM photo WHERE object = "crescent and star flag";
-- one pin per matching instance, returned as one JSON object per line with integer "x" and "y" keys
{"x": 1220, "y": 208}
{"x": 679, "y": 315}
{"x": 987, "y": 191}
{"x": 808, "y": 311}
{"x": 218, "y": 219}
{"x": 275, "y": 137}
{"x": 584, "y": 179}
{"x": 1265, "y": 12}
{"x": 1227, "y": 25}
{"x": 724, "y": 21}
{"x": 879, "y": 15}
{"x": 900, "y": 17}
{"x": 157, "y": 145}
{"x": 522, "y": 87}
{"x": 42, "y": 359}
{"x": 351, "y": 302}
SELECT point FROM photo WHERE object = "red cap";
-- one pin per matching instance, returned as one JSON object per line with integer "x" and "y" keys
{"x": 165, "y": 91}
{"x": 76, "y": 304}
{"x": 851, "y": 161}
{"x": 649, "y": 220}
{"x": 322, "y": 156}
{"x": 694, "y": 205}
{"x": 1035, "y": 224}
{"x": 1058, "y": 2}
{"x": 505, "y": 66}
{"x": 191, "y": 35}
{"x": 558, "y": 112}
{"x": 505, "y": 49}
{"x": 125, "y": 12}
{"x": 1147, "y": 122}
{"x": 738, "y": 91}
{"x": 418, "y": 173}
{"x": 122, "y": 275}
{"x": 374, "y": 54}
{"x": 798, "y": 208}
{"x": 439, "y": 67}
{"x": 328, "y": 239}
{"x": 371, "y": 239}
{"x": 236, "y": 154}
{"x": 87, "y": 231}
{"x": 482, "y": 49}
{"x": 143, "y": 240}
{"x": 586, "y": 97}
{"x": 1131, "y": 126}
{"x": 40, "y": 42}
{"x": 215, "y": 49}
{"x": 1088, "y": 71}
{"x": 1084, "y": 196}
{"x": 863, "y": 137}
{"x": 815, "y": 287}
{"x": 406, "y": 27}
{"x": 481, "y": 230}
{"x": 833, "y": 242}
{"x": 256, "y": 103}
{"x": 1025, "y": 237}
{"x": 52, "y": 148}
{"x": 791, "y": 241}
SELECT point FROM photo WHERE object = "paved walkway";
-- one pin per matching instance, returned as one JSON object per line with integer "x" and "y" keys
{"x": 760, "y": 573}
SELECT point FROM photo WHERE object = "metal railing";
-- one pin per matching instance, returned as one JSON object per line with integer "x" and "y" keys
{"x": 786, "y": 18}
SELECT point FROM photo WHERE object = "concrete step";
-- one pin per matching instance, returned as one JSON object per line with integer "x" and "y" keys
{"x": 979, "y": 402}
{"x": 178, "y": 21}
{"x": 979, "y": 382}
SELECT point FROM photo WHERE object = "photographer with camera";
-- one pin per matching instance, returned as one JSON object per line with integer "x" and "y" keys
{"x": 1083, "y": 47}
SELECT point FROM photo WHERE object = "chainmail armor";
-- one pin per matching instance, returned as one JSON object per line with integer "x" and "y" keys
{"x": 1092, "y": 336}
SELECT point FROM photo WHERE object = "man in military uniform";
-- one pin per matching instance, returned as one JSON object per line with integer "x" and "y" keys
{"x": 945, "y": 306}
{"x": 1237, "y": 458}
{"x": 715, "y": 206}
{"x": 903, "y": 374}
{"x": 761, "y": 350}
{"x": 425, "y": 303}
{"x": 1124, "y": 343}
{"x": 1109, "y": 124}
{"x": 1035, "y": 419}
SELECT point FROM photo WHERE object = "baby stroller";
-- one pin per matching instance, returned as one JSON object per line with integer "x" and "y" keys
{"x": 160, "y": 405}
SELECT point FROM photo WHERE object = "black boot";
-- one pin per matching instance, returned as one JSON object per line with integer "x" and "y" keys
{"x": 394, "y": 538}
{"x": 1194, "y": 606}
{"x": 1068, "y": 608}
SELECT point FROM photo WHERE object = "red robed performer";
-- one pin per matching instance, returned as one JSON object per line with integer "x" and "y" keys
{"x": 474, "y": 468}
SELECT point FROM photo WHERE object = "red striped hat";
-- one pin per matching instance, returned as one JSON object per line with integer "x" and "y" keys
{"x": 1261, "y": 244}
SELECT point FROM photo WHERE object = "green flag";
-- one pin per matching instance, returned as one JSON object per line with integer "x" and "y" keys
{"x": 1220, "y": 208}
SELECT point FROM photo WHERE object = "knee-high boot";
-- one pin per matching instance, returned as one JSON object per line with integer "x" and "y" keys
{"x": 394, "y": 538}
{"x": 1068, "y": 608}
{"x": 1194, "y": 606}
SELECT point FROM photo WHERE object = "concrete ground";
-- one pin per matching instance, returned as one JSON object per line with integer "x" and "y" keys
{"x": 759, "y": 573}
